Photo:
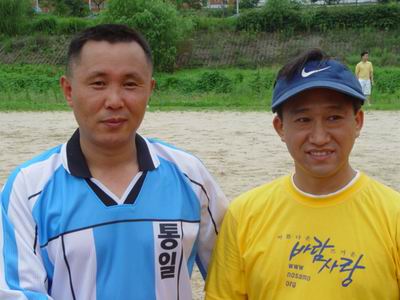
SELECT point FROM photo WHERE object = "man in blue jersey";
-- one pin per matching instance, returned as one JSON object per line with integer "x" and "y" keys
{"x": 109, "y": 214}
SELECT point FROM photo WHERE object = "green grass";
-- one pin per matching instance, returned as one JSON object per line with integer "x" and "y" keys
{"x": 35, "y": 88}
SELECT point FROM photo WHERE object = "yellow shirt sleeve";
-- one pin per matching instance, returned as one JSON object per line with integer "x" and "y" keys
{"x": 226, "y": 279}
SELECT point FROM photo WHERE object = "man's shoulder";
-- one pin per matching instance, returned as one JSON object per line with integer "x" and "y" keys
{"x": 258, "y": 197}
{"x": 42, "y": 157}
{"x": 172, "y": 153}
{"x": 379, "y": 191}
{"x": 31, "y": 175}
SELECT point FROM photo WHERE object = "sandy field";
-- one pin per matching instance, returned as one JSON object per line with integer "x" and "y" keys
{"x": 240, "y": 149}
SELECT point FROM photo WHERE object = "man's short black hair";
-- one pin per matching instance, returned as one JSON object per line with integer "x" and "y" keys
{"x": 297, "y": 64}
{"x": 363, "y": 53}
{"x": 112, "y": 33}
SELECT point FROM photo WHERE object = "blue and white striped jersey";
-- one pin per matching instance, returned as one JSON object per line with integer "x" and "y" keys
{"x": 66, "y": 236}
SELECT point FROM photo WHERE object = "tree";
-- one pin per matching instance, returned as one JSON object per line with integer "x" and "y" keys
{"x": 158, "y": 21}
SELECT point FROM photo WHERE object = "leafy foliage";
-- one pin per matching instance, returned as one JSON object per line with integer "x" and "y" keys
{"x": 13, "y": 14}
{"x": 248, "y": 3}
{"x": 158, "y": 21}
{"x": 290, "y": 16}
{"x": 35, "y": 87}
{"x": 76, "y": 8}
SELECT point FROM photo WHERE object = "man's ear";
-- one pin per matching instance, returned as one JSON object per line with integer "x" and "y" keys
{"x": 67, "y": 89}
{"x": 359, "y": 118}
{"x": 278, "y": 125}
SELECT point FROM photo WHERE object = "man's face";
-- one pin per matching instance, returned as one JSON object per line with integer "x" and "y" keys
{"x": 319, "y": 128}
{"x": 108, "y": 90}
{"x": 365, "y": 57}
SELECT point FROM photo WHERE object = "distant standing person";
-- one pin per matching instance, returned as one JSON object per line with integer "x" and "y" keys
{"x": 365, "y": 75}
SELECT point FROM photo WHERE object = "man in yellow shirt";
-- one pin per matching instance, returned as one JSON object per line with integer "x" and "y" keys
{"x": 326, "y": 232}
{"x": 365, "y": 75}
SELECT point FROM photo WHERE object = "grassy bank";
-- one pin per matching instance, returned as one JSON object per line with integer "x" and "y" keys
{"x": 35, "y": 88}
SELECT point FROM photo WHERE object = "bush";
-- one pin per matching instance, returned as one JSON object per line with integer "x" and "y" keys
{"x": 12, "y": 15}
{"x": 158, "y": 21}
{"x": 72, "y": 25}
{"x": 46, "y": 24}
{"x": 214, "y": 81}
{"x": 277, "y": 15}
{"x": 290, "y": 16}
{"x": 75, "y": 8}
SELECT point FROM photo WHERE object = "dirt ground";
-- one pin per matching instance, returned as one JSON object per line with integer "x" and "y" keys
{"x": 240, "y": 149}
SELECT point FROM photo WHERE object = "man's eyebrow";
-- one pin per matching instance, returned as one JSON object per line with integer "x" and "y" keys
{"x": 295, "y": 110}
{"x": 97, "y": 74}
{"x": 133, "y": 75}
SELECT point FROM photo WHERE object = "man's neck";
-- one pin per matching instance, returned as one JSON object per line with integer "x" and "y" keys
{"x": 323, "y": 185}
{"x": 114, "y": 167}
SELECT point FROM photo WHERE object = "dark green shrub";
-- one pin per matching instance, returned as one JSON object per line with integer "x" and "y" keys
{"x": 45, "y": 24}
{"x": 13, "y": 14}
{"x": 214, "y": 81}
{"x": 285, "y": 15}
{"x": 277, "y": 15}
{"x": 72, "y": 25}
{"x": 248, "y": 3}
{"x": 75, "y": 8}
{"x": 158, "y": 21}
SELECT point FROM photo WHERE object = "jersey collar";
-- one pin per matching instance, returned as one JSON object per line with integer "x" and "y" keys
{"x": 77, "y": 165}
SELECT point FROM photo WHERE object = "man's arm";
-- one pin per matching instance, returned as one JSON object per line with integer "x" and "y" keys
{"x": 371, "y": 74}
{"x": 22, "y": 274}
{"x": 214, "y": 205}
{"x": 226, "y": 278}
{"x": 357, "y": 71}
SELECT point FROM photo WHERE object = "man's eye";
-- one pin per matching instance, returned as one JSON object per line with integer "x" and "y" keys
{"x": 130, "y": 84}
{"x": 98, "y": 83}
{"x": 334, "y": 118}
{"x": 302, "y": 120}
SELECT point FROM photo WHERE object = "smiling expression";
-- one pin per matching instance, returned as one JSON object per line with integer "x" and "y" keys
{"x": 319, "y": 127}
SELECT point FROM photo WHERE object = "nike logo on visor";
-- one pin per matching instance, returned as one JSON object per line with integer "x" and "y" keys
{"x": 306, "y": 74}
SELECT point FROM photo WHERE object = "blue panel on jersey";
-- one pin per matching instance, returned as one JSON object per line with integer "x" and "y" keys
{"x": 125, "y": 261}
{"x": 68, "y": 203}
{"x": 170, "y": 193}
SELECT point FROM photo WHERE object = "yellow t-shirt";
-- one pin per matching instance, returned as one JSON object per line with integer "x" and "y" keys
{"x": 279, "y": 243}
{"x": 364, "y": 70}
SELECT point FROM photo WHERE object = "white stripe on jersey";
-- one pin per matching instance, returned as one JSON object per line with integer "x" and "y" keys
{"x": 83, "y": 279}
{"x": 212, "y": 211}
{"x": 190, "y": 233}
{"x": 169, "y": 262}
{"x": 22, "y": 199}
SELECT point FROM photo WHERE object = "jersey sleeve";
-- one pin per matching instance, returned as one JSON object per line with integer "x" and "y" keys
{"x": 22, "y": 273}
{"x": 226, "y": 275}
{"x": 213, "y": 208}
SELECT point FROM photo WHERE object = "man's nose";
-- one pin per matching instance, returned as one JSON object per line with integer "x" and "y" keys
{"x": 319, "y": 134}
{"x": 114, "y": 98}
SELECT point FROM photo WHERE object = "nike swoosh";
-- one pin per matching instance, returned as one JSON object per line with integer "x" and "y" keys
{"x": 306, "y": 74}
